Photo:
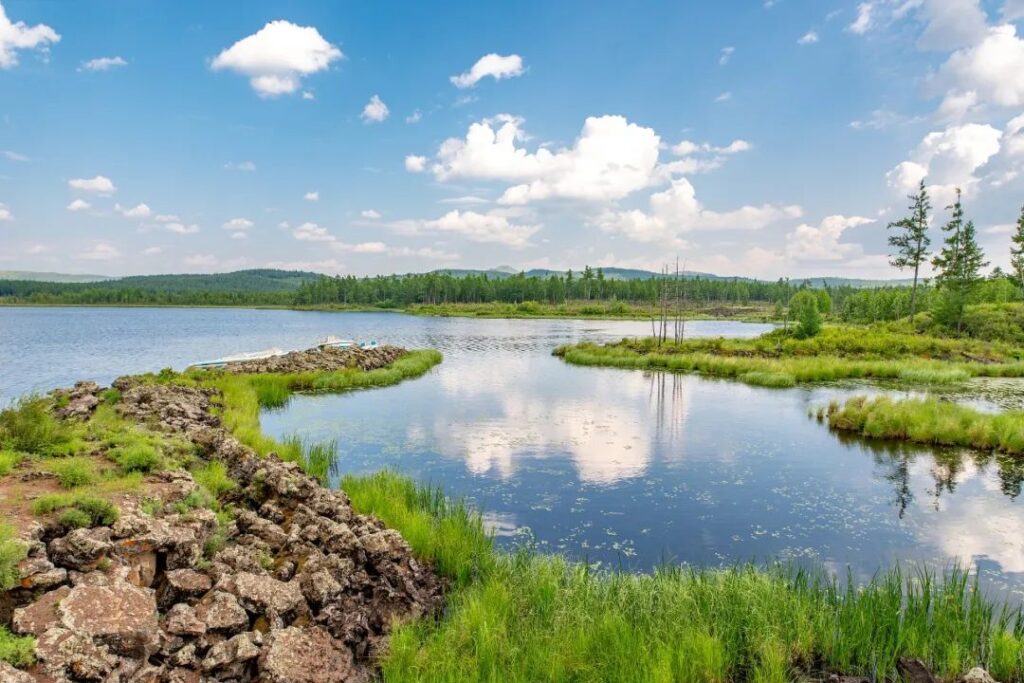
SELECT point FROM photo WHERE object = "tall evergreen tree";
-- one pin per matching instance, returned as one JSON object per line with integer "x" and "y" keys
{"x": 912, "y": 241}
{"x": 1017, "y": 250}
{"x": 958, "y": 266}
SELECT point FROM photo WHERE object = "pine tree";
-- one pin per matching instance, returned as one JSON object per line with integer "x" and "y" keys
{"x": 1017, "y": 250}
{"x": 958, "y": 266}
{"x": 912, "y": 241}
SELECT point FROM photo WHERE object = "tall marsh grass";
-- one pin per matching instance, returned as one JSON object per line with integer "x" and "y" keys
{"x": 929, "y": 421}
{"x": 530, "y": 617}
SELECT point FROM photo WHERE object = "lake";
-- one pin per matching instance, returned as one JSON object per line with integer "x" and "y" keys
{"x": 621, "y": 468}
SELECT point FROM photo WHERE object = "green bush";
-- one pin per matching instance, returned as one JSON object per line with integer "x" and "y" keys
{"x": 73, "y": 472}
{"x": 136, "y": 457}
{"x": 8, "y": 461}
{"x": 28, "y": 426}
{"x": 214, "y": 478}
{"x": 804, "y": 307}
{"x": 73, "y": 518}
{"x": 100, "y": 512}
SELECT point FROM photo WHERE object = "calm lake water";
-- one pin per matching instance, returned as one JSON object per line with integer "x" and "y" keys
{"x": 617, "y": 467}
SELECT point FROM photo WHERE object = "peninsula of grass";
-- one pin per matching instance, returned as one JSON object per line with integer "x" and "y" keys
{"x": 928, "y": 421}
{"x": 778, "y": 359}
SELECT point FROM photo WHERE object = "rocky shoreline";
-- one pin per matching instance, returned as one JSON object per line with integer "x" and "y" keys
{"x": 294, "y": 587}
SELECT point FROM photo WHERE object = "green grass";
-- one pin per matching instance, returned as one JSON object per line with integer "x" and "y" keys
{"x": 929, "y": 421}
{"x": 17, "y": 651}
{"x": 9, "y": 460}
{"x": 605, "y": 310}
{"x": 85, "y": 509}
{"x": 136, "y": 457}
{"x": 214, "y": 478}
{"x": 73, "y": 472}
{"x": 778, "y": 360}
{"x": 315, "y": 458}
{"x": 30, "y": 427}
{"x": 12, "y": 551}
{"x": 529, "y": 617}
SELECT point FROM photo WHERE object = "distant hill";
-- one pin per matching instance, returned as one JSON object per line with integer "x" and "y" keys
{"x": 34, "y": 276}
{"x": 247, "y": 281}
{"x": 637, "y": 274}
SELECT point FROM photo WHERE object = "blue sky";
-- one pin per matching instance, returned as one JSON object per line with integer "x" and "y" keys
{"x": 759, "y": 137}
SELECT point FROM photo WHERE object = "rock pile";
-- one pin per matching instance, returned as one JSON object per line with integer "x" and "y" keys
{"x": 296, "y": 587}
{"x": 322, "y": 359}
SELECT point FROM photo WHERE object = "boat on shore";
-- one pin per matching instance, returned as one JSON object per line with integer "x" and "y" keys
{"x": 329, "y": 342}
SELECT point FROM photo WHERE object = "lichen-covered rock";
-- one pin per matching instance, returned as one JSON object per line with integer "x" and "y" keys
{"x": 977, "y": 675}
{"x": 63, "y": 653}
{"x": 305, "y": 655}
{"x": 41, "y": 615}
{"x": 233, "y": 654}
{"x": 81, "y": 400}
{"x": 262, "y": 594}
{"x": 220, "y": 611}
{"x": 181, "y": 620}
{"x": 8, "y": 674}
{"x": 81, "y": 549}
{"x": 121, "y": 616}
{"x": 182, "y": 585}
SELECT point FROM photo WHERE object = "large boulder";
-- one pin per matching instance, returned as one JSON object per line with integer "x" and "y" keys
{"x": 81, "y": 549}
{"x": 220, "y": 611}
{"x": 305, "y": 655}
{"x": 41, "y": 615}
{"x": 119, "y": 616}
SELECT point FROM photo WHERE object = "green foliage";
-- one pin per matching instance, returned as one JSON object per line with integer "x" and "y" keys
{"x": 911, "y": 241}
{"x": 1017, "y": 251}
{"x": 136, "y": 457}
{"x": 28, "y": 426}
{"x": 528, "y": 617}
{"x": 930, "y": 421}
{"x": 804, "y": 307}
{"x": 316, "y": 458}
{"x": 9, "y": 460}
{"x": 958, "y": 268}
{"x": 73, "y": 472}
{"x": 99, "y": 512}
{"x": 19, "y": 651}
{"x": 12, "y": 551}
{"x": 214, "y": 478}
{"x": 73, "y": 518}
{"x": 111, "y": 396}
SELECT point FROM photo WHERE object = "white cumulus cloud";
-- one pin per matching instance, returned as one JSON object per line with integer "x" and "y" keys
{"x": 990, "y": 71}
{"x": 278, "y": 56}
{"x": 16, "y": 36}
{"x": 182, "y": 228}
{"x": 494, "y": 65}
{"x": 809, "y": 38}
{"x": 677, "y": 211}
{"x": 808, "y": 243}
{"x": 98, "y": 184}
{"x": 138, "y": 211}
{"x": 415, "y": 163}
{"x": 311, "y": 196}
{"x": 101, "y": 251}
{"x": 311, "y": 232}
{"x": 370, "y": 214}
{"x": 5, "y": 213}
{"x": 375, "y": 110}
{"x": 78, "y": 205}
{"x": 103, "y": 63}
{"x": 238, "y": 224}
{"x": 948, "y": 159}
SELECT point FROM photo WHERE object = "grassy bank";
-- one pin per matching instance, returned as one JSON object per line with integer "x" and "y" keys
{"x": 928, "y": 421}
{"x": 778, "y": 360}
{"x": 530, "y": 617}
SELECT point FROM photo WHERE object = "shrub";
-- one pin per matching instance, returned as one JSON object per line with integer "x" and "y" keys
{"x": 100, "y": 512}
{"x": 29, "y": 426}
{"x": 804, "y": 306}
{"x": 73, "y": 518}
{"x": 214, "y": 478}
{"x": 136, "y": 457}
{"x": 8, "y": 461}
{"x": 73, "y": 472}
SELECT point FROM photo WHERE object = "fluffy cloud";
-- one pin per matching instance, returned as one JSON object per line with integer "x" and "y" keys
{"x": 677, "y": 211}
{"x": 610, "y": 159}
{"x": 496, "y": 66}
{"x": 951, "y": 23}
{"x": 808, "y": 38}
{"x": 311, "y": 196}
{"x": 167, "y": 218}
{"x": 5, "y": 213}
{"x": 948, "y": 159}
{"x": 414, "y": 117}
{"x": 78, "y": 205}
{"x": 278, "y": 56}
{"x": 725, "y": 55}
{"x": 808, "y": 243}
{"x": 864, "y": 21}
{"x": 415, "y": 164}
{"x": 494, "y": 227}
{"x": 103, "y": 63}
{"x": 375, "y": 110}
{"x": 238, "y": 224}
{"x": 101, "y": 251}
{"x": 370, "y": 214}
{"x": 1013, "y": 10}
{"x": 182, "y": 228}
{"x": 20, "y": 36}
{"x": 991, "y": 69}
{"x": 311, "y": 232}
{"x": 11, "y": 155}
{"x": 98, "y": 184}
{"x": 139, "y": 211}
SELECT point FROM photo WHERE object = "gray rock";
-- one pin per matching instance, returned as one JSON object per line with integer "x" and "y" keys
{"x": 41, "y": 615}
{"x": 81, "y": 549}
{"x": 181, "y": 620}
{"x": 260, "y": 594}
{"x": 977, "y": 675}
{"x": 8, "y": 674}
{"x": 304, "y": 655}
{"x": 122, "y": 617}
{"x": 221, "y": 612}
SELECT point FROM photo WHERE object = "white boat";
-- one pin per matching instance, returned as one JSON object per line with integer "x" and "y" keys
{"x": 366, "y": 346}
{"x": 240, "y": 358}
